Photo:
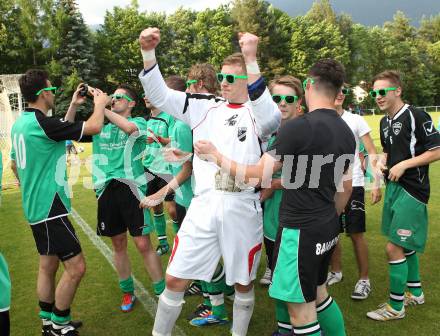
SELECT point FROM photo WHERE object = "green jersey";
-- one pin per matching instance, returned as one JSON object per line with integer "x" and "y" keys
{"x": 181, "y": 137}
{"x": 5, "y": 285}
{"x": 160, "y": 126}
{"x": 38, "y": 149}
{"x": 272, "y": 206}
{"x": 117, "y": 155}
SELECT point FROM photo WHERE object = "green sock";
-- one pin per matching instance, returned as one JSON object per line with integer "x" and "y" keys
{"x": 398, "y": 276}
{"x": 127, "y": 285}
{"x": 159, "y": 287}
{"x": 176, "y": 226}
{"x": 217, "y": 284}
{"x": 413, "y": 281}
{"x": 330, "y": 317}
{"x": 160, "y": 225}
{"x": 313, "y": 329}
{"x": 283, "y": 318}
{"x": 45, "y": 315}
{"x": 205, "y": 293}
{"x": 60, "y": 319}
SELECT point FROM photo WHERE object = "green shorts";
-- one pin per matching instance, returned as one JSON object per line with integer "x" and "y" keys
{"x": 5, "y": 285}
{"x": 404, "y": 218}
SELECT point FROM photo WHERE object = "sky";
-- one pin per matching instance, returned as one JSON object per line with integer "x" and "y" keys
{"x": 94, "y": 11}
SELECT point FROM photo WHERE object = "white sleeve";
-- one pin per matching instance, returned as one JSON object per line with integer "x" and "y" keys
{"x": 267, "y": 115}
{"x": 190, "y": 108}
{"x": 363, "y": 127}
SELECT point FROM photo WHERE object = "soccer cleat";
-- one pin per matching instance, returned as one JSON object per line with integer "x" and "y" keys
{"x": 412, "y": 300}
{"x": 63, "y": 330}
{"x": 334, "y": 277}
{"x": 193, "y": 289}
{"x": 128, "y": 301}
{"x": 386, "y": 313}
{"x": 266, "y": 279}
{"x": 361, "y": 290}
{"x": 76, "y": 324}
{"x": 208, "y": 321}
{"x": 202, "y": 310}
{"x": 162, "y": 250}
{"x": 45, "y": 328}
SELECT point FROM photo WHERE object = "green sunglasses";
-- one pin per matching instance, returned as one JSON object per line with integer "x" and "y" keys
{"x": 230, "y": 78}
{"x": 381, "y": 92}
{"x": 190, "y": 82}
{"x": 345, "y": 91}
{"x": 289, "y": 99}
{"x": 118, "y": 96}
{"x": 52, "y": 88}
{"x": 312, "y": 81}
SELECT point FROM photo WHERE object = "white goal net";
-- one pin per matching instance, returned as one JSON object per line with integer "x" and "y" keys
{"x": 11, "y": 105}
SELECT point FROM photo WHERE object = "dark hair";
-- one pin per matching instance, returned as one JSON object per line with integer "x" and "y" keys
{"x": 176, "y": 83}
{"x": 129, "y": 91}
{"x": 31, "y": 82}
{"x": 390, "y": 75}
{"x": 329, "y": 76}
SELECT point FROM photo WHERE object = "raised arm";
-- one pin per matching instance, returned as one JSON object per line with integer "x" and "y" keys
{"x": 124, "y": 124}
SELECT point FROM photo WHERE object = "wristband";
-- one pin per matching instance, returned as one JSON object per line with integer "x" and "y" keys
{"x": 252, "y": 68}
{"x": 149, "y": 55}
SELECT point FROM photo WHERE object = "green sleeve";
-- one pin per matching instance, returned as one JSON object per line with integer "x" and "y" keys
{"x": 183, "y": 137}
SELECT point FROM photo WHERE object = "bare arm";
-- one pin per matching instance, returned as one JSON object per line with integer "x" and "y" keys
{"x": 342, "y": 197}
{"x": 14, "y": 169}
{"x": 424, "y": 159}
{"x": 122, "y": 122}
{"x": 376, "y": 194}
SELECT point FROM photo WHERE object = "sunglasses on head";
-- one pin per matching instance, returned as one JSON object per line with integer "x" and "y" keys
{"x": 289, "y": 99}
{"x": 190, "y": 82}
{"x": 381, "y": 92}
{"x": 118, "y": 96}
{"x": 52, "y": 88}
{"x": 312, "y": 81}
{"x": 230, "y": 78}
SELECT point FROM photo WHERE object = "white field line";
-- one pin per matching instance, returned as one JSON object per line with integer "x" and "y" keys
{"x": 142, "y": 294}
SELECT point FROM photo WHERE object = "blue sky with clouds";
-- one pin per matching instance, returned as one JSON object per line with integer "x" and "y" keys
{"x": 94, "y": 11}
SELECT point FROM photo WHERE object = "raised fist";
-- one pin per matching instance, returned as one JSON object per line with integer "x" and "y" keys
{"x": 149, "y": 38}
{"x": 249, "y": 45}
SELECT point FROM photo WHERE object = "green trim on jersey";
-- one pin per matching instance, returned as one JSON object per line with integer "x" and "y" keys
{"x": 161, "y": 126}
{"x": 181, "y": 137}
{"x": 5, "y": 285}
{"x": 404, "y": 218}
{"x": 271, "y": 212}
{"x": 110, "y": 149}
{"x": 286, "y": 284}
{"x": 41, "y": 167}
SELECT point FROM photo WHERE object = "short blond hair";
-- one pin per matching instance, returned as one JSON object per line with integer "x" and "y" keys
{"x": 391, "y": 75}
{"x": 204, "y": 72}
{"x": 236, "y": 59}
{"x": 289, "y": 81}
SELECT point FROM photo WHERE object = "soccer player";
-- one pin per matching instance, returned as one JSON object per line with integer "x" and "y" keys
{"x": 5, "y": 294}
{"x": 224, "y": 220}
{"x": 316, "y": 150}
{"x": 158, "y": 171}
{"x": 287, "y": 92}
{"x": 410, "y": 143}
{"x": 122, "y": 139}
{"x": 38, "y": 161}
{"x": 353, "y": 218}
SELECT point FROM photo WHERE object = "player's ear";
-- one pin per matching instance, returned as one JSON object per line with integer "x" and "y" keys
{"x": 399, "y": 91}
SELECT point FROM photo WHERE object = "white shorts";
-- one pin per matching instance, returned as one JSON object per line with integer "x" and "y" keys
{"x": 219, "y": 224}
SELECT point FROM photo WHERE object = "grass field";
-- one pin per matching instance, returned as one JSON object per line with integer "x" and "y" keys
{"x": 98, "y": 298}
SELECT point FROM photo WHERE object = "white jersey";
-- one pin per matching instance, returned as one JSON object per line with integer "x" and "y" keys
{"x": 359, "y": 127}
{"x": 236, "y": 130}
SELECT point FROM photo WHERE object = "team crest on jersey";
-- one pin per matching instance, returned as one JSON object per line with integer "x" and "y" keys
{"x": 397, "y": 127}
{"x": 429, "y": 128}
{"x": 241, "y": 134}
{"x": 232, "y": 120}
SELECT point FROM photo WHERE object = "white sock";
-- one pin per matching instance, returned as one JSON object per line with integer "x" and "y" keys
{"x": 168, "y": 310}
{"x": 243, "y": 308}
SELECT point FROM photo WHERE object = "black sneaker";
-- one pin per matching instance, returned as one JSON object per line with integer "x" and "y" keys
{"x": 45, "y": 328}
{"x": 194, "y": 289}
{"x": 63, "y": 330}
{"x": 76, "y": 324}
{"x": 202, "y": 310}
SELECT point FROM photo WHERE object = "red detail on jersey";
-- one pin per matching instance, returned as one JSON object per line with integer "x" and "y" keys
{"x": 204, "y": 118}
{"x": 252, "y": 254}
{"x": 234, "y": 106}
{"x": 176, "y": 243}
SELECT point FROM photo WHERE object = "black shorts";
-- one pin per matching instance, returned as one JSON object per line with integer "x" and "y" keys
{"x": 56, "y": 237}
{"x": 180, "y": 213}
{"x": 118, "y": 210}
{"x": 155, "y": 183}
{"x": 353, "y": 221}
{"x": 301, "y": 259}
